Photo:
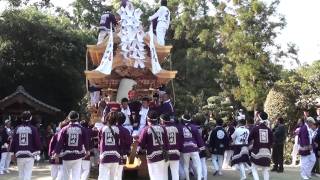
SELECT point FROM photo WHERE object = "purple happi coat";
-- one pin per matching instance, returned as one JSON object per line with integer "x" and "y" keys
{"x": 107, "y": 19}
{"x": 175, "y": 140}
{"x": 25, "y": 141}
{"x": 192, "y": 141}
{"x": 305, "y": 141}
{"x": 166, "y": 108}
{"x": 111, "y": 146}
{"x": 72, "y": 142}
{"x": 51, "y": 152}
{"x": 147, "y": 140}
{"x": 90, "y": 136}
{"x": 125, "y": 143}
{"x": 261, "y": 138}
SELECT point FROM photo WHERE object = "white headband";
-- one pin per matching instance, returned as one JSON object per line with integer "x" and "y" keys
{"x": 183, "y": 118}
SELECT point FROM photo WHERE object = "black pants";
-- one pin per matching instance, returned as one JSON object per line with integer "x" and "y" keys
{"x": 277, "y": 155}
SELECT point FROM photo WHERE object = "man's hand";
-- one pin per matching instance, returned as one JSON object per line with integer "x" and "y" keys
{"x": 56, "y": 158}
{"x": 87, "y": 153}
{"x": 13, "y": 158}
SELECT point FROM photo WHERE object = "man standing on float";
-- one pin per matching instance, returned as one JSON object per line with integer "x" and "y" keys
{"x": 163, "y": 15}
{"x": 107, "y": 21}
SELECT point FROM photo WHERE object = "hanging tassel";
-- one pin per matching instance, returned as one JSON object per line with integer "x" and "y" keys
{"x": 156, "y": 68}
{"x": 105, "y": 66}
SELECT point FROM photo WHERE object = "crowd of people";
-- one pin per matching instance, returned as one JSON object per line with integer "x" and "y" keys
{"x": 179, "y": 145}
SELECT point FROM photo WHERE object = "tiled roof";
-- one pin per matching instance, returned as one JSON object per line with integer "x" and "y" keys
{"x": 22, "y": 92}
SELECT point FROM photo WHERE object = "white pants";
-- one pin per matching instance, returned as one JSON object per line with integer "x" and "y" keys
{"x": 71, "y": 169}
{"x": 157, "y": 170}
{"x": 102, "y": 35}
{"x": 182, "y": 174}
{"x": 242, "y": 169}
{"x": 56, "y": 171}
{"x": 174, "y": 167}
{"x": 85, "y": 169}
{"x": 197, "y": 163}
{"x": 25, "y": 166}
{"x": 94, "y": 97}
{"x": 307, "y": 163}
{"x": 217, "y": 161}
{"x": 5, "y": 161}
{"x": 294, "y": 154}
{"x": 119, "y": 172}
{"x": 161, "y": 33}
{"x": 108, "y": 171}
{"x": 265, "y": 172}
{"x": 227, "y": 158}
{"x": 204, "y": 171}
{"x": 95, "y": 157}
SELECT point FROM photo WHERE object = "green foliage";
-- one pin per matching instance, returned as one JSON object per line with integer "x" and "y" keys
{"x": 219, "y": 107}
{"x": 43, "y": 53}
{"x": 226, "y": 54}
{"x": 246, "y": 35}
{"x": 38, "y": 3}
{"x": 195, "y": 53}
{"x": 279, "y": 103}
{"x": 295, "y": 91}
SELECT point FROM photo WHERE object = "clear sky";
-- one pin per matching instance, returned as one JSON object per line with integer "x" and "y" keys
{"x": 303, "y": 27}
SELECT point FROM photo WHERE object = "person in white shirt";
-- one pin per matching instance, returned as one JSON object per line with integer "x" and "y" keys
{"x": 143, "y": 113}
{"x": 240, "y": 158}
{"x": 6, "y": 137}
{"x": 126, "y": 111}
{"x": 163, "y": 22}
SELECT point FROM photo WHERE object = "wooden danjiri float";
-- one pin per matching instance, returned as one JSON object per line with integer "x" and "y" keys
{"x": 115, "y": 61}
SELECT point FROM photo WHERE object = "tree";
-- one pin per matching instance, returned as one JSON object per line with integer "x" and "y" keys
{"x": 45, "y": 54}
{"x": 195, "y": 54}
{"x": 37, "y": 3}
{"x": 279, "y": 103}
{"x": 220, "y": 107}
{"x": 309, "y": 87}
{"x": 247, "y": 33}
{"x": 223, "y": 54}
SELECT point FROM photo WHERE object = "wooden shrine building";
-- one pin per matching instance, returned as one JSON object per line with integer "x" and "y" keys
{"x": 19, "y": 101}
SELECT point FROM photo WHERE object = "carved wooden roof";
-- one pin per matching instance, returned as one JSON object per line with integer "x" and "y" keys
{"x": 123, "y": 68}
{"x": 95, "y": 52}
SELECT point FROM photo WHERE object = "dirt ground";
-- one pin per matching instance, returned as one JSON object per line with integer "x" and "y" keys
{"x": 42, "y": 172}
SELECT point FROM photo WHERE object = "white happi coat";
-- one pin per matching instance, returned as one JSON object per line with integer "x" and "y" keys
{"x": 163, "y": 15}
